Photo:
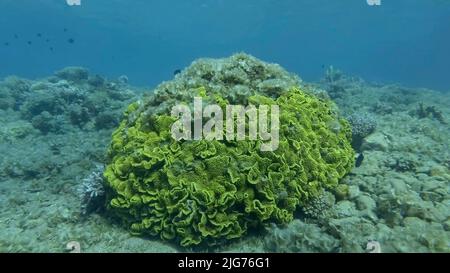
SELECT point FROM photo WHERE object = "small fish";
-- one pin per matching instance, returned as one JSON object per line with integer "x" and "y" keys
{"x": 47, "y": 40}
{"x": 65, "y": 29}
{"x": 29, "y": 42}
{"x": 39, "y": 35}
{"x": 51, "y": 49}
{"x": 359, "y": 160}
{"x": 71, "y": 40}
{"x": 6, "y": 43}
{"x": 16, "y": 36}
{"x": 177, "y": 71}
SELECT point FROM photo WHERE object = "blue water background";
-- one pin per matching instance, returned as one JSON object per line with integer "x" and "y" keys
{"x": 406, "y": 41}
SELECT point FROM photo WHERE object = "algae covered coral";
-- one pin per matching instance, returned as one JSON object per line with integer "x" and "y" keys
{"x": 202, "y": 191}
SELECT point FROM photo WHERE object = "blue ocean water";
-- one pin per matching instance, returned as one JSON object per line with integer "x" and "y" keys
{"x": 404, "y": 41}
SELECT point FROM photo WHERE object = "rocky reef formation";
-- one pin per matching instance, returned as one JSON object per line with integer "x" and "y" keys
{"x": 71, "y": 98}
{"x": 299, "y": 236}
{"x": 236, "y": 78}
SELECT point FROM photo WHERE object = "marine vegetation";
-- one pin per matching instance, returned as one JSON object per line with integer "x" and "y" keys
{"x": 197, "y": 192}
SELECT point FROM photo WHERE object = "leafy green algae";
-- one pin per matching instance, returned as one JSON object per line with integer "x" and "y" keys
{"x": 197, "y": 192}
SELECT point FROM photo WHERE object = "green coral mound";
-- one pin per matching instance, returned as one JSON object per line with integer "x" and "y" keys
{"x": 197, "y": 192}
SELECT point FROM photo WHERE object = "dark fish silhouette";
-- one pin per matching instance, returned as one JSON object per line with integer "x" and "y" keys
{"x": 47, "y": 40}
{"x": 359, "y": 160}
{"x": 177, "y": 71}
{"x": 71, "y": 40}
{"x": 16, "y": 36}
{"x": 51, "y": 49}
{"x": 65, "y": 30}
{"x": 39, "y": 35}
{"x": 29, "y": 42}
{"x": 6, "y": 44}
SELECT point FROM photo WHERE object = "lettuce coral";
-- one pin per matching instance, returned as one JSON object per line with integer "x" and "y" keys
{"x": 197, "y": 192}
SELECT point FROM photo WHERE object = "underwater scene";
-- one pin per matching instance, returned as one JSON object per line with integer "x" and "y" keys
{"x": 222, "y": 126}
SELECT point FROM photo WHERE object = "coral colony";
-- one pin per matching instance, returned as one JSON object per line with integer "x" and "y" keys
{"x": 207, "y": 190}
{"x": 213, "y": 129}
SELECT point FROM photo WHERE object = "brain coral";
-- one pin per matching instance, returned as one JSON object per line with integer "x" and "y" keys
{"x": 197, "y": 192}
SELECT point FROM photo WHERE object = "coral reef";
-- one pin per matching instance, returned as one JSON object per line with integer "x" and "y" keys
{"x": 69, "y": 100}
{"x": 198, "y": 192}
{"x": 299, "y": 237}
{"x": 331, "y": 83}
{"x": 401, "y": 164}
{"x": 96, "y": 81}
{"x": 399, "y": 197}
{"x": 319, "y": 207}
{"x": 236, "y": 78}
{"x": 74, "y": 74}
{"x": 92, "y": 191}
{"x": 214, "y": 190}
{"x": 123, "y": 79}
{"x": 363, "y": 124}
{"x": 429, "y": 111}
